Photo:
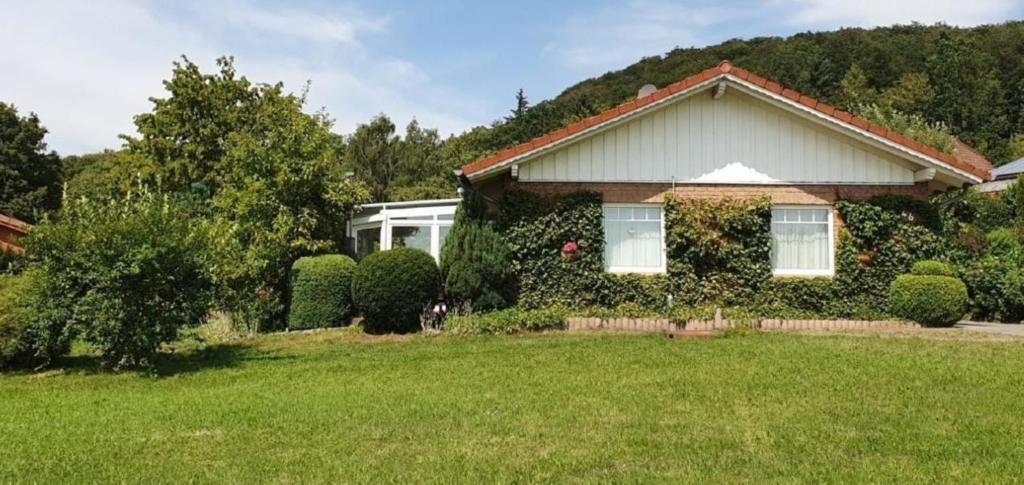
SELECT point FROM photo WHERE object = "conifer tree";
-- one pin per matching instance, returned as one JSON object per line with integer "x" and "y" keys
{"x": 475, "y": 265}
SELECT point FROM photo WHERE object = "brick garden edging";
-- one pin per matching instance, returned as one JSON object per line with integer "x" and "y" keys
{"x": 665, "y": 325}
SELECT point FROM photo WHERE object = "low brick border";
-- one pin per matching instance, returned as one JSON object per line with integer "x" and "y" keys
{"x": 665, "y": 325}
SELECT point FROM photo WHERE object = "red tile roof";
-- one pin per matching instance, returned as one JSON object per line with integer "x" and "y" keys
{"x": 964, "y": 158}
{"x": 10, "y": 230}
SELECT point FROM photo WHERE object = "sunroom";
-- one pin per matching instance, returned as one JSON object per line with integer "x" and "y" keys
{"x": 419, "y": 224}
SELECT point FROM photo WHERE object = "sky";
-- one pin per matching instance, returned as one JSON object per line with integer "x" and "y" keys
{"x": 86, "y": 68}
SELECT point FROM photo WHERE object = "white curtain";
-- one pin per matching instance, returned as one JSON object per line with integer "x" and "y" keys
{"x": 800, "y": 240}
{"x": 633, "y": 237}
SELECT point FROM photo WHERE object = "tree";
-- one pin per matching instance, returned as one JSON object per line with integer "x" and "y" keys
{"x": 30, "y": 176}
{"x": 522, "y": 104}
{"x": 104, "y": 174}
{"x": 264, "y": 172}
{"x": 912, "y": 93}
{"x": 475, "y": 261}
{"x": 854, "y": 89}
{"x": 969, "y": 97}
{"x": 372, "y": 154}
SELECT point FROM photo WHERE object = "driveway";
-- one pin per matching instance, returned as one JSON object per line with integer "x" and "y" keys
{"x": 1012, "y": 329}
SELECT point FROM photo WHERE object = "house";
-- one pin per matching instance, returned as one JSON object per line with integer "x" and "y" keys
{"x": 1003, "y": 176}
{"x": 723, "y": 133}
{"x": 11, "y": 230}
{"x": 421, "y": 224}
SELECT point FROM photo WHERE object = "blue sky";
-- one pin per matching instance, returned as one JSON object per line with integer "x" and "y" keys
{"x": 87, "y": 67}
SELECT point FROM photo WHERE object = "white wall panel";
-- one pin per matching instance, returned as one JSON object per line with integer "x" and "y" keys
{"x": 734, "y": 139}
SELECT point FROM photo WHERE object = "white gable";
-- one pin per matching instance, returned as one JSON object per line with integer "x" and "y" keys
{"x": 734, "y": 139}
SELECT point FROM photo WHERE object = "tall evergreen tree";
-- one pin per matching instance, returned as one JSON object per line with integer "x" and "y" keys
{"x": 30, "y": 176}
{"x": 475, "y": 260}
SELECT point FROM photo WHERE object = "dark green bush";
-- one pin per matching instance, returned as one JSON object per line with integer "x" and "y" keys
{"x": 938, "y": 301}
{"x": 10, "y": 261}
{"x": 643, "y": 291}
{"x": 930, "y": 267}
{"x": 508, "y": 321}
{"x": 391, "y": 289}
{"x": 321, "y": 291}
{"x": 124, "y": 274}
{"x": 476, "y": 266}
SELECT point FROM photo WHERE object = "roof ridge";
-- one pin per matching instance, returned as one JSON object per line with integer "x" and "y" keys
{"x": 726, "y": 68}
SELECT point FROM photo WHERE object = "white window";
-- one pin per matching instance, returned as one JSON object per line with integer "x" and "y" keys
{"x": 802, "y": 243}
{"x": 634, "y": 236}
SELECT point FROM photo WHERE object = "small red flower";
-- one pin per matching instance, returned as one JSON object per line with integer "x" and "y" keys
{"x": 570, "y": 248}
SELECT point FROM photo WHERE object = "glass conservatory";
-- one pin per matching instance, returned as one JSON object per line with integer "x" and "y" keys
{"x": 420, "y": 224}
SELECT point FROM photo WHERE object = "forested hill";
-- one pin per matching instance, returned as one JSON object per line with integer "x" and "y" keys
{"x": 970, "y": 79}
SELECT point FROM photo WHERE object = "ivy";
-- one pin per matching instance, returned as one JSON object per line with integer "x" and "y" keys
{"x": 536, "y": 229}
{"x": 718, "y": 251}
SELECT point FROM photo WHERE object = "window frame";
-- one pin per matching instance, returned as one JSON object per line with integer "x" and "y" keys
{"x": 636, "y": 269}
{"x": 830, "y": 221}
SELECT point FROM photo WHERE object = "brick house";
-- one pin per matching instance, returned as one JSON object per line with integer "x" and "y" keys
{"x": 721, "y": 133}
{"x": 11, "y": 230}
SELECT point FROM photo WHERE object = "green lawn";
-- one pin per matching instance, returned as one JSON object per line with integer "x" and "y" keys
{"x": 333, "y": 408}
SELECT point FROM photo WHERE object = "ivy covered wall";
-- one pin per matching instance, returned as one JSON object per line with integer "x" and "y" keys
{"x": 719, "y": 252}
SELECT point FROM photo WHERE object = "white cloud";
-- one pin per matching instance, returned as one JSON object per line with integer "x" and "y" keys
{"x": 87, "y": 67}
{"x": 343, "y": 28}
{"x": 617, "y": 35}
{"x": 866, "y": 13}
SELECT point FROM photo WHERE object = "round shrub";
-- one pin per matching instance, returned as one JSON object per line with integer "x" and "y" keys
{"x": 931, "y": 268}
{"x": 391, "y": 288}
{"x": 937, "y": 301}
{"x": 321, "y": 290}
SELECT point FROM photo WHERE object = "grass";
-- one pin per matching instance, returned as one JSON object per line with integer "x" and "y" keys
{"x": 331, "y": 407}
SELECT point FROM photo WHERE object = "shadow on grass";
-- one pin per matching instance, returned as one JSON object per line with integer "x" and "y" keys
{"x": 169, "y": 364}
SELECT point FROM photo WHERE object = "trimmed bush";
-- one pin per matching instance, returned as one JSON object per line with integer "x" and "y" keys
{"x": 508, "y": 321}
{"x": 321, "y": 291}
{"x": 931, "y": 268}
{"x": 391, "y": 288}
{"x": 938, "y": 301}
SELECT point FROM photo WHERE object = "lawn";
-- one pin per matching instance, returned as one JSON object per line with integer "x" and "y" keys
{"x": 334, "y": 408}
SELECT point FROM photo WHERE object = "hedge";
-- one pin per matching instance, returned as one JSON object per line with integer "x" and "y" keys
{"x": 321, "y": 291}
{"x": 392, "y": 288}
{"x": 938, "y": 301}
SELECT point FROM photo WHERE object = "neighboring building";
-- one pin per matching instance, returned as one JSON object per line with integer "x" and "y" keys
{"x": 11, "y": 230}
{"x": 725, "y": 133}
{"x": 1003, "y": 176}
{"x": 421, "y": 224}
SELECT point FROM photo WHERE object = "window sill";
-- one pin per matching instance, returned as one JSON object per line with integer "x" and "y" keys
{"x": 627, "y": 270}
{"x": 803, "y": 274}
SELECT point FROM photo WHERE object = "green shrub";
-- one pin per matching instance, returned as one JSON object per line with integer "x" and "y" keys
{"x": 508, "y": 321}
{"x": 806, "y": 294}
{"x": 930, "y": 300}
{"x": 475, "y": 261}
{"x": 10, "y": 261}
{"x": 1001, "y": 242}
{"x": 391, "y": 289}
{"x": 125, "y": 274}
{"x": 931, "y": 267}
{"x": 321, "y": 291}
{"x": 996, "y": 289}
{"x": 637, "y": 290}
